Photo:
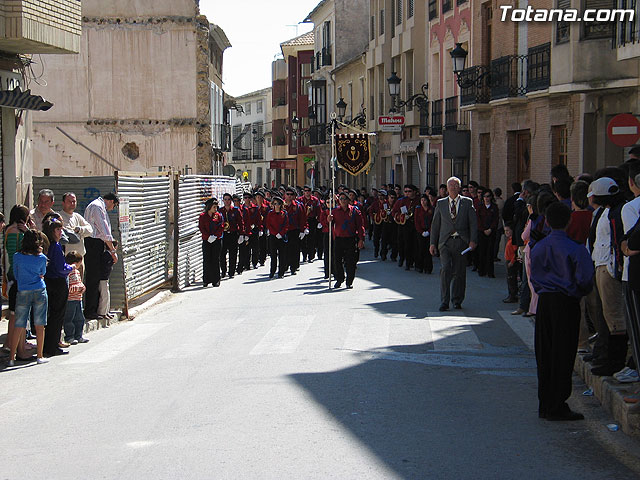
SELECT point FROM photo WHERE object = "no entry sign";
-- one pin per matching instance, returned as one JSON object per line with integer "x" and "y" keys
{"x": 624, "y": 130}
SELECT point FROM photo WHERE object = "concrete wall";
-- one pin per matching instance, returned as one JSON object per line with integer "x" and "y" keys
{"x": 351, "y": 29}
{"x": 139, "y": 8}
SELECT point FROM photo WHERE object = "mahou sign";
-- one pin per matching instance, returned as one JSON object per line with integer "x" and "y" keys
{"x": 391, "y": 123}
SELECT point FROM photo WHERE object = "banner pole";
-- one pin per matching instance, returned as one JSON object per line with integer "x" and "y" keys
{"x": 333, "y": 188}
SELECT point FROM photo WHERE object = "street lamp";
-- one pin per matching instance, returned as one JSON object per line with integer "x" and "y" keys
{"x": 295, "y": 123}
{"x": 459, "y": 57}
{"x": 419, "y": 100}
{"x": 469, "y": 79}
{"x": 342, "y": 108}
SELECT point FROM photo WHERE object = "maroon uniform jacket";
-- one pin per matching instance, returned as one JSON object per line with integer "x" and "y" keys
{"x": 233, "y": 220}
{"x": 264, "y": 210}
{"x": 277, "y": 222}
{"x": 211, "y": 225}
{"x": 311, "y": 206}
{"x": 487, "y": 217}
{"x": 252, "y": 219}
{"x": 423, "y": 219}
{"x": 348, "y": 223}
{"x": 324, "y": 220}
{"x": 411, "y": 205}
{"x": 297, "y": 216}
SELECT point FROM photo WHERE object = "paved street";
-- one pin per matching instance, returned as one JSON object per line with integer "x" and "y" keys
{"x": 283, "y": 379}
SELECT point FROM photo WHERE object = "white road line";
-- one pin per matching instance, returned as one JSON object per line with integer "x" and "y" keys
{"x": 521, "y": 326}
{"x": 454, "y": 332}
{"x": 409, "y": 331}
{"x": 367, "y": 332}
{"x": 202, "y": 339}
{"x": 284, "y": 337}
{"x": 117, "y": 344}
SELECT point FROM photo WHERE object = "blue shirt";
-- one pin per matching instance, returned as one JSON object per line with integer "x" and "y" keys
{"x": 57, "y": 267}
{"x": 560, "y": 265}
{"x": 27, "y": 270}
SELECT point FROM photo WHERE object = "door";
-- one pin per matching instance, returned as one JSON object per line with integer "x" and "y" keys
{"x": 523, "y": 155}
{"x": 485, "y": 158}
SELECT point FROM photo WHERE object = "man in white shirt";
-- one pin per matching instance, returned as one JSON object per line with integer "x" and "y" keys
{"x": 96, "y": 215}
{"x": 75, "y": 222}
{"x": 45, "y": 202}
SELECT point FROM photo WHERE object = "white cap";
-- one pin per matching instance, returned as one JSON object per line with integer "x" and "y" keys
{"x": 603, "y": 187}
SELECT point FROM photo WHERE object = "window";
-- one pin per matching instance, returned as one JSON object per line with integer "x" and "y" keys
{"x": 373, "y": 27}
{"x": 257, "y": 133}
{"x": 247, "y": 108}
{"x": 382, "y": 22}
{"x": 563, "y": 29}
{"x": 431, "y": 168}
{"x": 446, "y": 6}
{"x": 393, "y": 18}
{"x": 236, "y": 132}
{"x": 410, "y": 8}
{"x": 398, "y": 12}
{"x": 559, "y": 144}
{"x": 259, "y": 106}
{"x": 433, "y": 9}
{"x": 596, "y": 29}
{"x": 326, "y": 44}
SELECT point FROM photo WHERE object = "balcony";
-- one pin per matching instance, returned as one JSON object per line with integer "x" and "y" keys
{"x": 436, "y": 117}
{"x": 46, "y": 26}
{"x": 225, "y": 138}
{"x": 451, "y": 113}
{"x": 509, "y": 76}
{"x": 318, "y": 134}
{"x": 326, "y": 56}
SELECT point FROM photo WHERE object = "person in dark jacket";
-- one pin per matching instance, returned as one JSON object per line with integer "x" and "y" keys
{"x": 488, "y": 217}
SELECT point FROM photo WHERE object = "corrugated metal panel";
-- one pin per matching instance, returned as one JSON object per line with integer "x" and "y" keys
{"x": 87, "y": 189}
{"x": 242, "y": 187}
{"x": 194, "y": 190}
{"x": 146, "y": 246}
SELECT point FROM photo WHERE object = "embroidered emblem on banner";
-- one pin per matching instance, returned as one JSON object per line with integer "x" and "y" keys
{"x": 353, "y": 152}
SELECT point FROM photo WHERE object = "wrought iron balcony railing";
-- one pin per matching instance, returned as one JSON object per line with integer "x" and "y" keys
{"x": 436, "y": 117}
{"x": 318, "y": 134}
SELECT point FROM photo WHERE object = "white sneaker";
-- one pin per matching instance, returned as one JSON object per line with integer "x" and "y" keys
{"x": 630, "y": 377}
{"x": 624, "y": 371}
{"x": 12, "y": 363}
{"x": 73, "y": 342}
{"x": 42, "y": 360}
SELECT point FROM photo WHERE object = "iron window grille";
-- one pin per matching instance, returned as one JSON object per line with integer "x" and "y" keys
{"x": 446, "y": 6}
{"x": 436, "y": 117}
{"x": 451, "y": 112}
{"x": 433, "y": 9}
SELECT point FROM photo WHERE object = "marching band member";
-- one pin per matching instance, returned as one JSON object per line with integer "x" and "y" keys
{"x": 348, "y": 234}
{"x": 377, "y": 213}
{"x": 403, "y": 212}
{"x": 311, "y": 206}
{"x": 298, "y": 228}
{"x": 277, "y": 224}
{"x": 264, "y": 207}
{"x": 389, "y": 228}
{"x": 211, "y": 226}
{"x": 233, "y": 226}
{"x": 423, "y": 214}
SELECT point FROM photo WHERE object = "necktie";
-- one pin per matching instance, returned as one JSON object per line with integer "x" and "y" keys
{"x": 453, "y": 209}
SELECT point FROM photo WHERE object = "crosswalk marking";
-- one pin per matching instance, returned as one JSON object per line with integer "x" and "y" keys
{"x": 521, "y": 326}
{"x": 284, "y": 337}
{"x": 367, "y": 332}
{"x": 453, "y": 332}
{"x": 114, "y": 346}
{"x": 201, "y": 341}
{"x": 410, "y": 331}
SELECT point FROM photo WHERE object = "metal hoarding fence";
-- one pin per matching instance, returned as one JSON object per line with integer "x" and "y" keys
{"x": 192, "y": 192}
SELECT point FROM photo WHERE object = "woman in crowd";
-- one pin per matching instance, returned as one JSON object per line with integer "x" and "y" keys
{"x": 211, "y": 226}
{"x": 277, "y": 225}
{"x": 488, "y": 216}
{"x": 57, "y": 289}
{"x": 423, "y": 215}
{"x": 19, "y": 222}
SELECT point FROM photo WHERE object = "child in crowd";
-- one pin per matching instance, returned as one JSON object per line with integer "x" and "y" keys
{"x": 513, "y": 266}
{"x": 74, "y": 318}
{"x": 561, "y": 274}
{"x": 104, "y": 304}
{"x": 29, "y": 268}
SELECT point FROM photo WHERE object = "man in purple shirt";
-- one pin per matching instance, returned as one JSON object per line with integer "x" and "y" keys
{"x": 561, "y": 273}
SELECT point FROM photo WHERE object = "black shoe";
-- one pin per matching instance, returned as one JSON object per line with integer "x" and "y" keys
{"x": 281, "y": 276}
{"x": 262, "y": 264}
{"x": 230, "y": 276}
{"x": 491, "y": 275}
{"x": 480, "y": 274}
{"x": 349, "y": 285}
{"x": 458, "y": 306}
{"x": 326, "y": 277}
{"x": 474, "y": 269}
{"x": 293, "y": 272}
{"x": 567, "y": 416}
{"x": 383, "y": 258}
{"x": 337, "y": 285}
{"x": 593, "y": 337}
{"x": 271, "y": 275}
{"x": 510, "y": 300}
{"x": 393, "y": 259}
{"x": 400, "y": 262}
{"x": 419, "y": 270}
{"x": 217, "y": 284}
{"x": 444, "y": 307}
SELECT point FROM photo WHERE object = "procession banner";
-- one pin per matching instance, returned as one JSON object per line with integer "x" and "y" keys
{"x": 353, "y": 152}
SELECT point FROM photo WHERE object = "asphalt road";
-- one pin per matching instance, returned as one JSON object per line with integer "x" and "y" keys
{"x": 285, "y": 379}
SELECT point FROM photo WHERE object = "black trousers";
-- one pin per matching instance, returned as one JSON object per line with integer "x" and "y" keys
{"x": 512, "y": 279}
{"x": 309, "y": 241}
{"x": 377, "y": 238}
{"x": 263, "y": 248}
{"x": 424, "y": 261}
{"x": 389, "y": 240}
{"x": 92, "y": 259}
{"x": 408, "y": 240}
{"x": 229, "y": 245}
{"x": 325, "y": 244}
{"x": 278, "y": 253}
{"x": 211, "y": 262}
{"x": 556, "y": 343}
{"x": 632, "y": 310}
{"x": 254, "y": 248}
{"x": 293, "y": 250}
{"x": 58, "y": 292}
{"x": 244, "y": 255}
{"x": 485, "y": 254}
{"x": 320, "y": 243}
{"x": 346, "y": 258}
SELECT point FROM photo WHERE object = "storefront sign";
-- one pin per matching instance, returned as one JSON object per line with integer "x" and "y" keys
{"x": 391, "y": 123}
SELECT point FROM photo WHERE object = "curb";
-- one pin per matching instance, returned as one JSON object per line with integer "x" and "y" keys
{"x": 610, "y": 393}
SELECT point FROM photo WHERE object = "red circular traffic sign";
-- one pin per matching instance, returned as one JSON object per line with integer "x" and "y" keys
{"x": 623, "y": 130}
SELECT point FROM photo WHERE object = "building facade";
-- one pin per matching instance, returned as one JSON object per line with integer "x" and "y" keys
{"x": 28, "y": 28}
{"x": 251, "y": 148}
{"x": 142, "y": 95}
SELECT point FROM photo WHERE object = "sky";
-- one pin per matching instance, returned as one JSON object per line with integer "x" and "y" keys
{"x": 255, "y": 29}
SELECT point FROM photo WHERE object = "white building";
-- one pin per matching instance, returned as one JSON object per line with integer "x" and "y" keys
{"x": 251, "y": 150}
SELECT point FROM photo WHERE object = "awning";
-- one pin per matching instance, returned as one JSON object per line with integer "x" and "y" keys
{"x": 23, "y": 100}
{"x": 410, "y": 146}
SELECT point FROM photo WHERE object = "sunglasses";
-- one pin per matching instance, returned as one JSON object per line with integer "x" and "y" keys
{"x": 290, "y": 194}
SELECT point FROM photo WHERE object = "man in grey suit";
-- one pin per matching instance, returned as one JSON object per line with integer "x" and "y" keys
{"x": 454, "y": 228}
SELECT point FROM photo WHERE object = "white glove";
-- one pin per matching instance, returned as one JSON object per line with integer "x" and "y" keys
{"x": 319, "y": 225}
{"x": 306, "y": 231}
{"x": 260, "y": 233}
{"x": 212, "y": 238}
{"x": 403, "y": 209}
{"x": 240, "y": 239}
{"x": 301, "y": 235}
{"x": 425, "y": 234}
{"x": 278, "y": 236}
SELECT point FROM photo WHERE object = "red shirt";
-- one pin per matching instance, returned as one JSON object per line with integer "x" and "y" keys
{"x": 210, "y": 225}
{"x": 324, "y": 220}
{"x": 348, "y": 223}
{"x": 251, "y": 218}
{"x": 311, "y": 206}
{"x": 510, "y": 251}
{"x": 234, "y": 219}
{"x": 297, "y": 216}
{"x": 579, "y": 226}
{"x": 423, "y": 219}
{"x": 411, "y": 205}
{"x": 488, "y": 217}
{"x": 277, "y": 222}
{"x": 264, "y": 210}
